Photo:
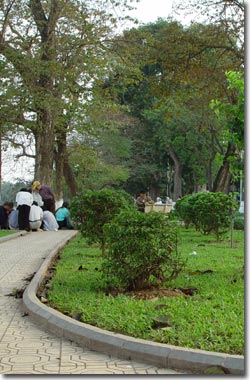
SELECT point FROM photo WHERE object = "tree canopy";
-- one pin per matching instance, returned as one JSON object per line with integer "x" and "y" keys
{"x": 51, "y": 51}
{"x": 180, "y": 70}
{"x": 127, "y": 110}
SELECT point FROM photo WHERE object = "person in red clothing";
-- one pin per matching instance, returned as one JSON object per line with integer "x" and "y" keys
{"x": 47, "y": 195}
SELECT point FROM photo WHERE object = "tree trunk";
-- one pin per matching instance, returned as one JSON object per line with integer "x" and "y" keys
{"x": 69, "y": 178}
{"x": 209, "y": 175}
{"x": 44, "y": 140}
{"x": 223, "y": 178}
{"x": 177, "y": 174}
{"x": 44, "y": 92}
{"x": 60, "y": 155}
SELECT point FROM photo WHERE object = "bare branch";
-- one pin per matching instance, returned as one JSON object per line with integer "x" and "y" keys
{"x": 5, "y": 22}
{"x": 21, "y": 146}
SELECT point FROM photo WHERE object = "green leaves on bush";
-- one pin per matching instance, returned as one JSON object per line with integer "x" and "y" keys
{"x": 210, "y": 212}
{"x": 142, "y": 250}
{"x": 91, "y": 210}
{"x": 239, "y": 224}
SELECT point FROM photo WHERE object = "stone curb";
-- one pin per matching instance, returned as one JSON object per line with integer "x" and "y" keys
{"x": 13, "y": 236}
{"x": 121, "y": 346}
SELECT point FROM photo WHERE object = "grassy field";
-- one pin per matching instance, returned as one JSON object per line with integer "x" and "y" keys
{"x": 6, "y": 232}
{"x": 211, "y": 319}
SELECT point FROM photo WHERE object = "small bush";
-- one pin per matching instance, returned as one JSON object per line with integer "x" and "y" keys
{"x": 239, "y": 224}
{"x": 142, "y": 250}
{"x": 210, "y": 212}
{"x": 184, "y": 209}
{"x": 91, "y": 210}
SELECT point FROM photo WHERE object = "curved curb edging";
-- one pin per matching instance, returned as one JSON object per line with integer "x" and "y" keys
{"x": 121, "y": 346}
{"x": 13, "y": 236}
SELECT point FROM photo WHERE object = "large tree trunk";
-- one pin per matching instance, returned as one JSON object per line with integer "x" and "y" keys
{"x": 178, "y": 167}
{"x": 69, "y": 178}
{"x": 44, "y": 139}
{"x": 44, "y": 92}
{"x": 223, "y": 178}
{"x": 63, "y": 169}
{"x": 60, "y": 156}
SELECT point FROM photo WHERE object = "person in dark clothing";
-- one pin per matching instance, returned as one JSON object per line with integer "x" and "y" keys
{"x": 143, "y": 200}
{"x": 47, "y": 195}
{"x": 24, "y": 201}
{"x": 5, "y": 210}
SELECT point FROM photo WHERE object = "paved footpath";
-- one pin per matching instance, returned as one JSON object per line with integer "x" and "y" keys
{"x": 27, "y": 349}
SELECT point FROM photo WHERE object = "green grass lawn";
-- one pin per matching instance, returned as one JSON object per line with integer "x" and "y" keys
{"x": 212, "y": 319}
{"x": 6, "y": 233}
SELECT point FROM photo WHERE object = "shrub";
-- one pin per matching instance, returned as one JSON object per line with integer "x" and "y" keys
{"x": 142, "y": 249}
{"x": 91, "y": 210}
{"x": 209, "y": 212}
{"x": 214, "y": 212}
{"x": 239, "y": 224}
{"x": 184, "y": 209}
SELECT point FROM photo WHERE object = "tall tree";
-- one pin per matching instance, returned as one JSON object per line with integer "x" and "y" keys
{"x": 181, "y": 71}
{"x": 230, "y": 112}
{"x": 54, "y": 50}
{"x": 228, "y": 14}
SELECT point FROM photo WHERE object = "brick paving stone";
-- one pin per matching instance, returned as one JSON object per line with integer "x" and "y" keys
{"x": 25, "y": 348}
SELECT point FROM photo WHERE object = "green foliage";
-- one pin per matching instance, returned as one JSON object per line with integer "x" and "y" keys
{"x": 231, "y": 111}
{"x": 99, "y": 161}
{"x": 184, "y": 209}
{"x": 173, "y": 109}
{"x": 9, "y": 190}
{"x": 49, "y": 73}
{"x": 142, "y": 247}
{"x": 212, "y": 319}
{"x": 210, "y": 212}
{"x": 91, "y": 210}
{"x": 239, "y": 222}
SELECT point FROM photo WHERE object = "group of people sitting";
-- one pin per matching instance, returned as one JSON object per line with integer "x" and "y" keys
{"x": 35, "y": 211}
{"x": 144, "y": 200}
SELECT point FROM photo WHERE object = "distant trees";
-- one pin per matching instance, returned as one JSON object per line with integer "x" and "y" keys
{"x": 230, "y": 114}
{"x": 177, "y": 142}
{"x": 130, "y": 110}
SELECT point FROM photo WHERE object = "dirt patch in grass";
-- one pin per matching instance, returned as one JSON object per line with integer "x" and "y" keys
{"x": 155, "y": 293}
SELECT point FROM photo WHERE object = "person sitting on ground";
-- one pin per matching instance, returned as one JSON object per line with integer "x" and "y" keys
{"x": 13, "y": 219}
{"x": 143, "y": 200}
{"x": 24, "y": 201}
{"x": 63, "y": 216}
{"x": 5, "y": 210}
{"x": 49, "y": 221}
{"x": 35, "y": 217}
{"x": 48, "y": 197}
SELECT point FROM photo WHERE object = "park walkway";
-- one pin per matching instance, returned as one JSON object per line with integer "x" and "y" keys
{"x": 25, "y": 348}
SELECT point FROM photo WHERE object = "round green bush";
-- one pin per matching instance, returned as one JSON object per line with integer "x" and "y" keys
{"x": 142, "y": 250}
{"x": 239, "y": 224}
{"x": 209, "y": 212}
{"x": 91, "y": 210}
